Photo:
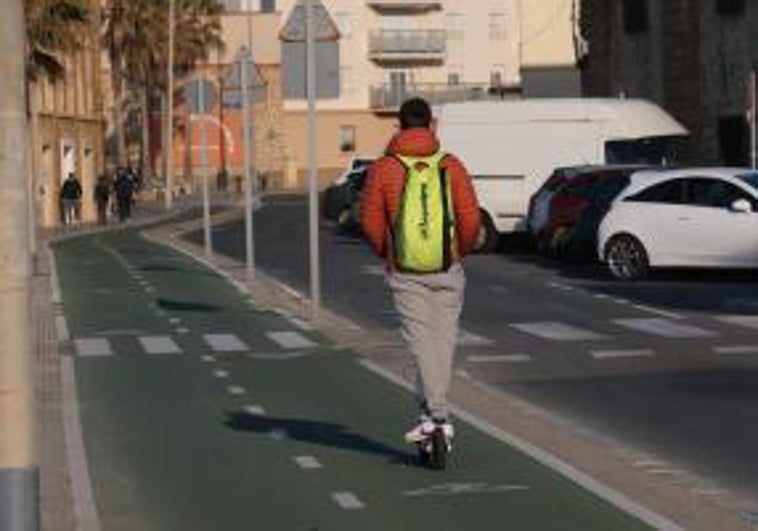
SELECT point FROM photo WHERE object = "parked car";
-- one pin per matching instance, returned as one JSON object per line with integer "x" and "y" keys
{"x": 338, "y": 198}
{"x": 577, "y": 205}
{"x": 698, "y": 217}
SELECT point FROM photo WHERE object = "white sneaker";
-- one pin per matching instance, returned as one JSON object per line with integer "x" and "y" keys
{"x": 425, "y": 428}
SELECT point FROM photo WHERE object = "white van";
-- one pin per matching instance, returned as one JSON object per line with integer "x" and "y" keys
{"x": 510, "y": 147}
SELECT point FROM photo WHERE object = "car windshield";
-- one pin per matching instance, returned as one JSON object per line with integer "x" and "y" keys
{"x": 750, "y": 178}
{"x": 654, "y": 151}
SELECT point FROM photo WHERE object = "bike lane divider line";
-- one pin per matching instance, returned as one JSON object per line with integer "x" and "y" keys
{"x": 348, "y": 501}
{"x": 619, "y": 354}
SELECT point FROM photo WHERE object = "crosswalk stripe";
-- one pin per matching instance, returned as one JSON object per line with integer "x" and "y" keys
{"x": 747, "y": 321}
{"x": 290, "y": 340}
{"x": 664, "y": 328}
{"x": 225, "y": 343}
{"x": 93, "y": 347}
{"x": 467, "y": 338}
{"x": 557, "y": 331}
{"x": 618, "y": 354}
{"x": 159, "y": 345}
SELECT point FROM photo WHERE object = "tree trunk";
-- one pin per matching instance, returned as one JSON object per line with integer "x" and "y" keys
{"x": 147, "y": 170}
{"x": 18, "y": 462}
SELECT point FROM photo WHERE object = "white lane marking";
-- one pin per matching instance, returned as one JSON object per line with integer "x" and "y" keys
{"x": 557, "y": 331}
{"x": 93, "y": 347}
{"x": 61, "y": 328}
{"x": 623, "y": 302}
{"x": 220, "y": 374}
{"x": 290, "y": 340}
{"x": 236, "y": 390}
{"x": 509, "y": 358}
{"x": 85, "y": 509}
{"x": 225, "y": 343}
{"x": 664, "y": 327}
{"x": 279, "y": 435}
{"x": 254, "y": 410}
{"x": 657, "y": 311}
{"x": 208, "y": 359}
{"x": 347, "y": 501}
{"x": 452, "y": 489}
{"x": 182, "y": 330}
{"x": 174, "y": 320}
{"x": 308, "y": 462}
{"x": 736, "y": 349}
{"x": 149, "y": 289}
{"x": 159, "y": 345}
{"x": 374, "y": 270}
{"x": 747, "y": 321}
{"x": 466, "y": 338}
{"x": 601, "y": 296}
{"x": 616, "y": 498}
{"x": 618, "y": 354}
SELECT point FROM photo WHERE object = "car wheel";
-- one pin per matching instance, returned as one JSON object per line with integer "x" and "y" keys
{"x": 626, "y": 258}
{"x": 487, "y": 240}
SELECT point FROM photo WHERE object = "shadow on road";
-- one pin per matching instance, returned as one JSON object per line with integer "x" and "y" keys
{"x": 323, "y": 433}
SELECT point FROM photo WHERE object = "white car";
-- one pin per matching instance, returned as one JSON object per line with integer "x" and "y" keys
{"x": 695, "y": 217}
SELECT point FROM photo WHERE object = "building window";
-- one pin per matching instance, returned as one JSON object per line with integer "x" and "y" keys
{"x": 268, "y": 6}
{"x": 347, "y": 138}
{"x": 454, "y": 75}
{"x": 455, "y": 25}
{"x": 635, "y": 16}
{"x": 344, "y": 21}
{"x": 497, "y": 26}
{"x": 730, "y": 7}
{"x": 348, "y": 86}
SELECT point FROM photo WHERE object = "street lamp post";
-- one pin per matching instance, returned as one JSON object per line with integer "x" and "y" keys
{"x": 19, "y": 471}
{"x": 169, "y": 148}
{"x": 312, "y": 161}
{"x": 248, "y": 133}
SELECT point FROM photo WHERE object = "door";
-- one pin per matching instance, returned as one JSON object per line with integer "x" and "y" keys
{"x": 717, "y": 235}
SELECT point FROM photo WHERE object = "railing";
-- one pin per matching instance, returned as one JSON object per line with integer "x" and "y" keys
{"x": 407, "y": 44}
{"x": 389, "y": 97}
{"x": 405, "y": 4}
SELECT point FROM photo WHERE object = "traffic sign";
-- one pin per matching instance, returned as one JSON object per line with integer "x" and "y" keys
{"x": 325, "y": 29}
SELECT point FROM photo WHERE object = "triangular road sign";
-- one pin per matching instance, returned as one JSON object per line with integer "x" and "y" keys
{"x": 233, "y": 73}
{"x": 294, "y": 29}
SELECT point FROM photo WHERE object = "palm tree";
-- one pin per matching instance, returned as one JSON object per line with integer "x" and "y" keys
{"x": 137, "y": 39}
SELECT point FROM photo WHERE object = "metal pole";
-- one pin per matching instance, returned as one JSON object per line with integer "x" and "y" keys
{"x": 312, "y": 162}
{"x": 753, "y": 119}
{"x": 169, "y": 148}
{"x": 19, "y": 471}
{"x": 248, "y": 125}
{"x": 204, "y": 169}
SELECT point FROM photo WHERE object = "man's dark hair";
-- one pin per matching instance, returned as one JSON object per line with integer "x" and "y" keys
{"x": 415, "y": 112}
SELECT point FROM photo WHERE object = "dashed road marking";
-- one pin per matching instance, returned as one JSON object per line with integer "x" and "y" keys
{"x": 182, "y": 330}
{"x": 225, "y": 343}
{"x": 657, "y": 311}
{"x": 509, "y": 358}
{"x": 174, "y": 320}
{"x": 290, "y": 340}
{"x": 236, "y": 390}
{"x": 620, "y": 354}
{"x": 747, "y": 321}
{"x": 664, "y": 327}
{"x": 159, "y": 345}
{"x": 279, "y": 435}
{"x": 736, "y": 349}
{"x": 466, "y": 338}
{"x": 308, "y": 462}
{"x": 254, "y": 410}
{"x": 557, "y": 331}
{"x": 220, "y": 374}
{"x": 348, "y": 501}
{"x": 208, "y": 359}
{"x": 93, "y": 347}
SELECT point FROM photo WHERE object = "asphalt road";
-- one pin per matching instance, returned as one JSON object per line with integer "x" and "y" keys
{"x": 669, "y": 364}
{"x": 202, "y": 412}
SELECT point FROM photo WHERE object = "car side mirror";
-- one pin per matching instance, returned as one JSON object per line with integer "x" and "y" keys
{"x": 742, "y": 206}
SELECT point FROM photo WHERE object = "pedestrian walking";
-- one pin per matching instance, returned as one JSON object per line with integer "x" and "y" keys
{"x": 71, "y": 195}
{"x": 124, "y": 188}
{"x": 102, "y": 196}
{"x": 420, "y": 213}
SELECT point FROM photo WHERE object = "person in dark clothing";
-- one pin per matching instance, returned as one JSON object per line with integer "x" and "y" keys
{"x": 102, "y": 195}
{"x": 71, "y": 194}
{"x": 124, "y": 188}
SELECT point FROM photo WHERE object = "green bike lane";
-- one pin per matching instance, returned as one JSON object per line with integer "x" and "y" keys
{"x": 265, "y": 425}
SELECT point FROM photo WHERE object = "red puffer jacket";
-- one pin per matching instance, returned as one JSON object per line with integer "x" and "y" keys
{"x": 384, "y": 188}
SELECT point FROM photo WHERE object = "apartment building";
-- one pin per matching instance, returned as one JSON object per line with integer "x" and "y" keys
{"x": 388, "y": 50}
{"x": 692, "y": 57}
{"x": 68, "y": 129}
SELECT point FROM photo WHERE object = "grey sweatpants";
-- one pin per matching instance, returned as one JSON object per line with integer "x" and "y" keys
{"x": 429, "y": 308}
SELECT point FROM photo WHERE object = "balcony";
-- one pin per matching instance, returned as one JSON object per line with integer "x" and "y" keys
{"x": 407, "y": 45}
{"x": 403, "y": 5}
{"x": 388, "y": 97}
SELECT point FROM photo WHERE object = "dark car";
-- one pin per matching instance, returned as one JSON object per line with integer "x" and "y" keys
{"x": 338, "y": 199}
{"x": 577, "y": 208}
